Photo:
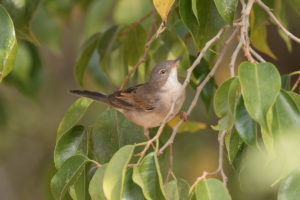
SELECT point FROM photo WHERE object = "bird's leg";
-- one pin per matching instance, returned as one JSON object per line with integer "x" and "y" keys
{"x": 146, "y": 132}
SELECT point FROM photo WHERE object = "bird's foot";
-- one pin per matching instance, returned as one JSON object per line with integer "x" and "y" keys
{"x": 185, "y": 116}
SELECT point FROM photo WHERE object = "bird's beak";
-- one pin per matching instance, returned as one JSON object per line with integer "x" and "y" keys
{"x": 176, "y": 62}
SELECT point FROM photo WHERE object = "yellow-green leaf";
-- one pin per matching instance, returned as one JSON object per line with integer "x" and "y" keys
{"x": 188, "y": 126}
{"x": 258, "y": 38}
{"x": 8, "y": 43}
{"x": 163, "y": 8}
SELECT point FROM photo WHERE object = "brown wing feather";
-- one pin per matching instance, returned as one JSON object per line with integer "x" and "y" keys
{"x": 133, "y": 98}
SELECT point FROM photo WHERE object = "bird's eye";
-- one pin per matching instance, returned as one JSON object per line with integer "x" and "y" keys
{"x": 162, "y": 71}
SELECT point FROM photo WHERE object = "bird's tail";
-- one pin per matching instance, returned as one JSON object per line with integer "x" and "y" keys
{"x": 91, "y": 95}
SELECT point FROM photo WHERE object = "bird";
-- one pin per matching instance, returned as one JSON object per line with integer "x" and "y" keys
{"x": 149, "y": 103}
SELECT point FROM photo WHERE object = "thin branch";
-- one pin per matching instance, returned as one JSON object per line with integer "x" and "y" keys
{"x": 256, "y": 55}
{"x": 296, "y": 84}
{"x": 220, "y": 170}
{"x": 268, "y": 10}
{"x": 234, "y": 56}
{"x": 143, "y": 59}
{"x": 199, "y": 89}
{"x": 170, "y": 171}
{"x": 244, "y": 29}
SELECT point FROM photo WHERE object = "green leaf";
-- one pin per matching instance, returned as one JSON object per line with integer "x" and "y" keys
{"x": 67, "y": 175}
{"x": 227, "y": 9}
{"x": 258, "y": 82}
{"x": 209, "y": 21}
{"x": 258, "y": 38}
{"x": 286, "y": 116}
{"x": 96, "y": 184}
{"x": 113, "y": 131}
{"x": 8, "y": 43}
{"x": 211, "y": 189}
{"x": 147, "y": 175}
{"x": 244, "y": 124}
{"x": 75, "y": 141}
{"x": 189, "y": 19}
{"x": 134, "y": 43}
{"x": 290, "y": 187}
{"x": 22, "y": 12}
{"x": 85, "y": 56}
{"x": 177, "y": 190}
{"x": 105, "y": 46}
{"x": 27, "y": 75}
{"x": 295, "y": 97}
{"x": 81, "y": 185}
{"x": 131, "y": 190}
{"x": 286, "y": 82}
{"x": 73, "y": 115}
{"x": 114, "y": 176}
{"x": 235, "y": 148}
{"x": 224, "y": 103}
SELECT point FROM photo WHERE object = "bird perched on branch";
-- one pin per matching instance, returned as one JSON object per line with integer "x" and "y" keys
{"x": 149, "y": 103}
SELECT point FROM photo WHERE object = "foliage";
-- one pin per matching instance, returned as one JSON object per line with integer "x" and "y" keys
{"x": 256, "y": 108}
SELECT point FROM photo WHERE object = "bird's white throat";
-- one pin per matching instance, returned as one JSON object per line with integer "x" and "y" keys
{"x": 172, "y": 82}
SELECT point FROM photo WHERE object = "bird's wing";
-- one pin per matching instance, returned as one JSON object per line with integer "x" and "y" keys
{"x": 133, "y": 98}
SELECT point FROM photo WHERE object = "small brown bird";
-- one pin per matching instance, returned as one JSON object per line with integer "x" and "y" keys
{"x": 149, "y": 103}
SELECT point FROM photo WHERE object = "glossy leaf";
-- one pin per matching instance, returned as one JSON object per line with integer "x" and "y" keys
{"x": 85, "y": 56}
{"x": 73, "y": 115}
{"x": 257, "y": 82}
{"x": 131, "y": 190}
{"x": 177, "y": 190}
{"x": 227, "y": 9}
{"x": 235, "y": 148}
{"x": 209, "y": 21}
{"x": 189, "y": 19}
{"x": 290, "y": 187}
{"x": 67, "y": 175}
{"x": 211, "y": 189}
{"x": 244, "y": 124}
{"x": 147, "y": 175}
{"x": 258, "y": 38}
{"x": 8, "y": 43}
{"x": 75, "y": 141}
{"x": 224, "y": 103}
{"x": 295, "y": 97}
{"x": 22, "y": 13}
{"x": 114, "y": 175}
{"x": 113, "y": 131}
{"x": 286, "y": 116}
{"x": 286, "y": 82}
{"x": 81, "y": 185}
{"x": 134, "y": 44}
{"x": 27, "y": 74}
{"x": 188, "y": 126}
{"x": 105, "y": 45}
{"x": 163, "y": 7}
{"x": 96, "y": 184}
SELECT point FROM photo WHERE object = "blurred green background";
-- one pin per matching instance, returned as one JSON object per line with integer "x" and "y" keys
{"x": 31, "y": 108}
